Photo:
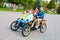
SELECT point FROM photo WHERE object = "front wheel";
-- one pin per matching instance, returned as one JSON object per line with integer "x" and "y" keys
{"x": 13, "y": 26}
{"x": 43, "y": 28}
{"x": 26, "y": 30}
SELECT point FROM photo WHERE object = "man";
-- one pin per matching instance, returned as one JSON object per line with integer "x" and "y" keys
{"x": 40, "y": 16}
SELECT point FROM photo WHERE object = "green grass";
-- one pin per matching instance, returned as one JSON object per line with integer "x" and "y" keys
{"x": 9, "y": 9}
{"x": 19, "y": 10}
{"x": 52, "y": 13}
{"x": 5, "y": 9}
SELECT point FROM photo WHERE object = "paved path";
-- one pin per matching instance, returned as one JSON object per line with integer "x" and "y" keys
{"x": 52, "y": 33}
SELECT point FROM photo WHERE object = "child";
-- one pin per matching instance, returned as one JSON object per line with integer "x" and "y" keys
{"x": 30, "y": 16}
{"x": 27, "y": 16}
{"x": 24, "y": 15}
{"x": 35, "y": 11}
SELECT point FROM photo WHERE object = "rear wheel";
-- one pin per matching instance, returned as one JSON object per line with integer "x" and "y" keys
{"x": 13, "y": 26}
{"x": 26, "y": 30}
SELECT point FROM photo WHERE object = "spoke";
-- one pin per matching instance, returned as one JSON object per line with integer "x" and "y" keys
{"x": 26, "y": 31}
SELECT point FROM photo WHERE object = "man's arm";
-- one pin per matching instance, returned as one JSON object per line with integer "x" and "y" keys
{"x": 42, "y": 15}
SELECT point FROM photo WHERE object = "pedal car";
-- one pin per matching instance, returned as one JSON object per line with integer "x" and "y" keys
{"x": 25, "y": 26}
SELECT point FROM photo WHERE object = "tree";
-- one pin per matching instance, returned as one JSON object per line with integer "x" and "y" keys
{"x": 58, "y": 10}
{"x": 28, "y": 4}
{"x": 51, "y": 5}
{"x": 25, "y": 3}
{"x": 14, "y": 1}
{"x": 37, "y": 4}
{"x": 1, "y": 3}
{"x": 44, "y": 4}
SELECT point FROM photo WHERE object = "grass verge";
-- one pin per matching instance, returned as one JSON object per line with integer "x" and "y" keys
{"x": 10, "y": 9}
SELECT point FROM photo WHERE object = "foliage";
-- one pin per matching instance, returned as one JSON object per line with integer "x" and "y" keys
{"x": 37, "y": 4}
{"x": 51, "y": 5}
{"x": 58, "y": 10}
{"x": 25, "y": 3}
{"x": 1, "y": 3}
{"x": 44, "y": 4}
{"x": 14, "y": 1}
{"x": 28, "y": 4}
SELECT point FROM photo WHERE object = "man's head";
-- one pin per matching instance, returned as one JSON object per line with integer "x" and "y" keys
{"x": 41, "y": 9}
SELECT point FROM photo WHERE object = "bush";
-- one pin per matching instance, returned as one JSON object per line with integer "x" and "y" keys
{"x": 58, "y": 10}
{"x": 51, "y": 5}
{"x": 44, "y": 4}
{"x": 37, "y": 4}
{"x": 1, "y": 5}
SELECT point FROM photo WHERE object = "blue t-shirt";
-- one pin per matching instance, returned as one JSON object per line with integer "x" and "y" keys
{"x": 40, "y": 14}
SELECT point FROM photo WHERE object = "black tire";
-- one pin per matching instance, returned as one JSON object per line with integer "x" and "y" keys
{"x": 26, "y": 30}
{"x": 43, "y": 28}
{"x": 13, "y": 27}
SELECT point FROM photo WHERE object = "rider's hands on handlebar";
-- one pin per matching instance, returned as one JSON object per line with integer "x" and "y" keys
{"x": 37, "y": 16}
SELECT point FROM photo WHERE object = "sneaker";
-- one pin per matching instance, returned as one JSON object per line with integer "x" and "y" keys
{"x": 36, "y": 26}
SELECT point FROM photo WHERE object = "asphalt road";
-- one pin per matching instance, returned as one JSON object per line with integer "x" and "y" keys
{"x": 52, "y": 33}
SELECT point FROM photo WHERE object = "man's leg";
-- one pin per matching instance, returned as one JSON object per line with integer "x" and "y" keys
{"x": 38, "y": 22}
{"x": 32, "y": 26}
{"x": 33, "y": 23}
